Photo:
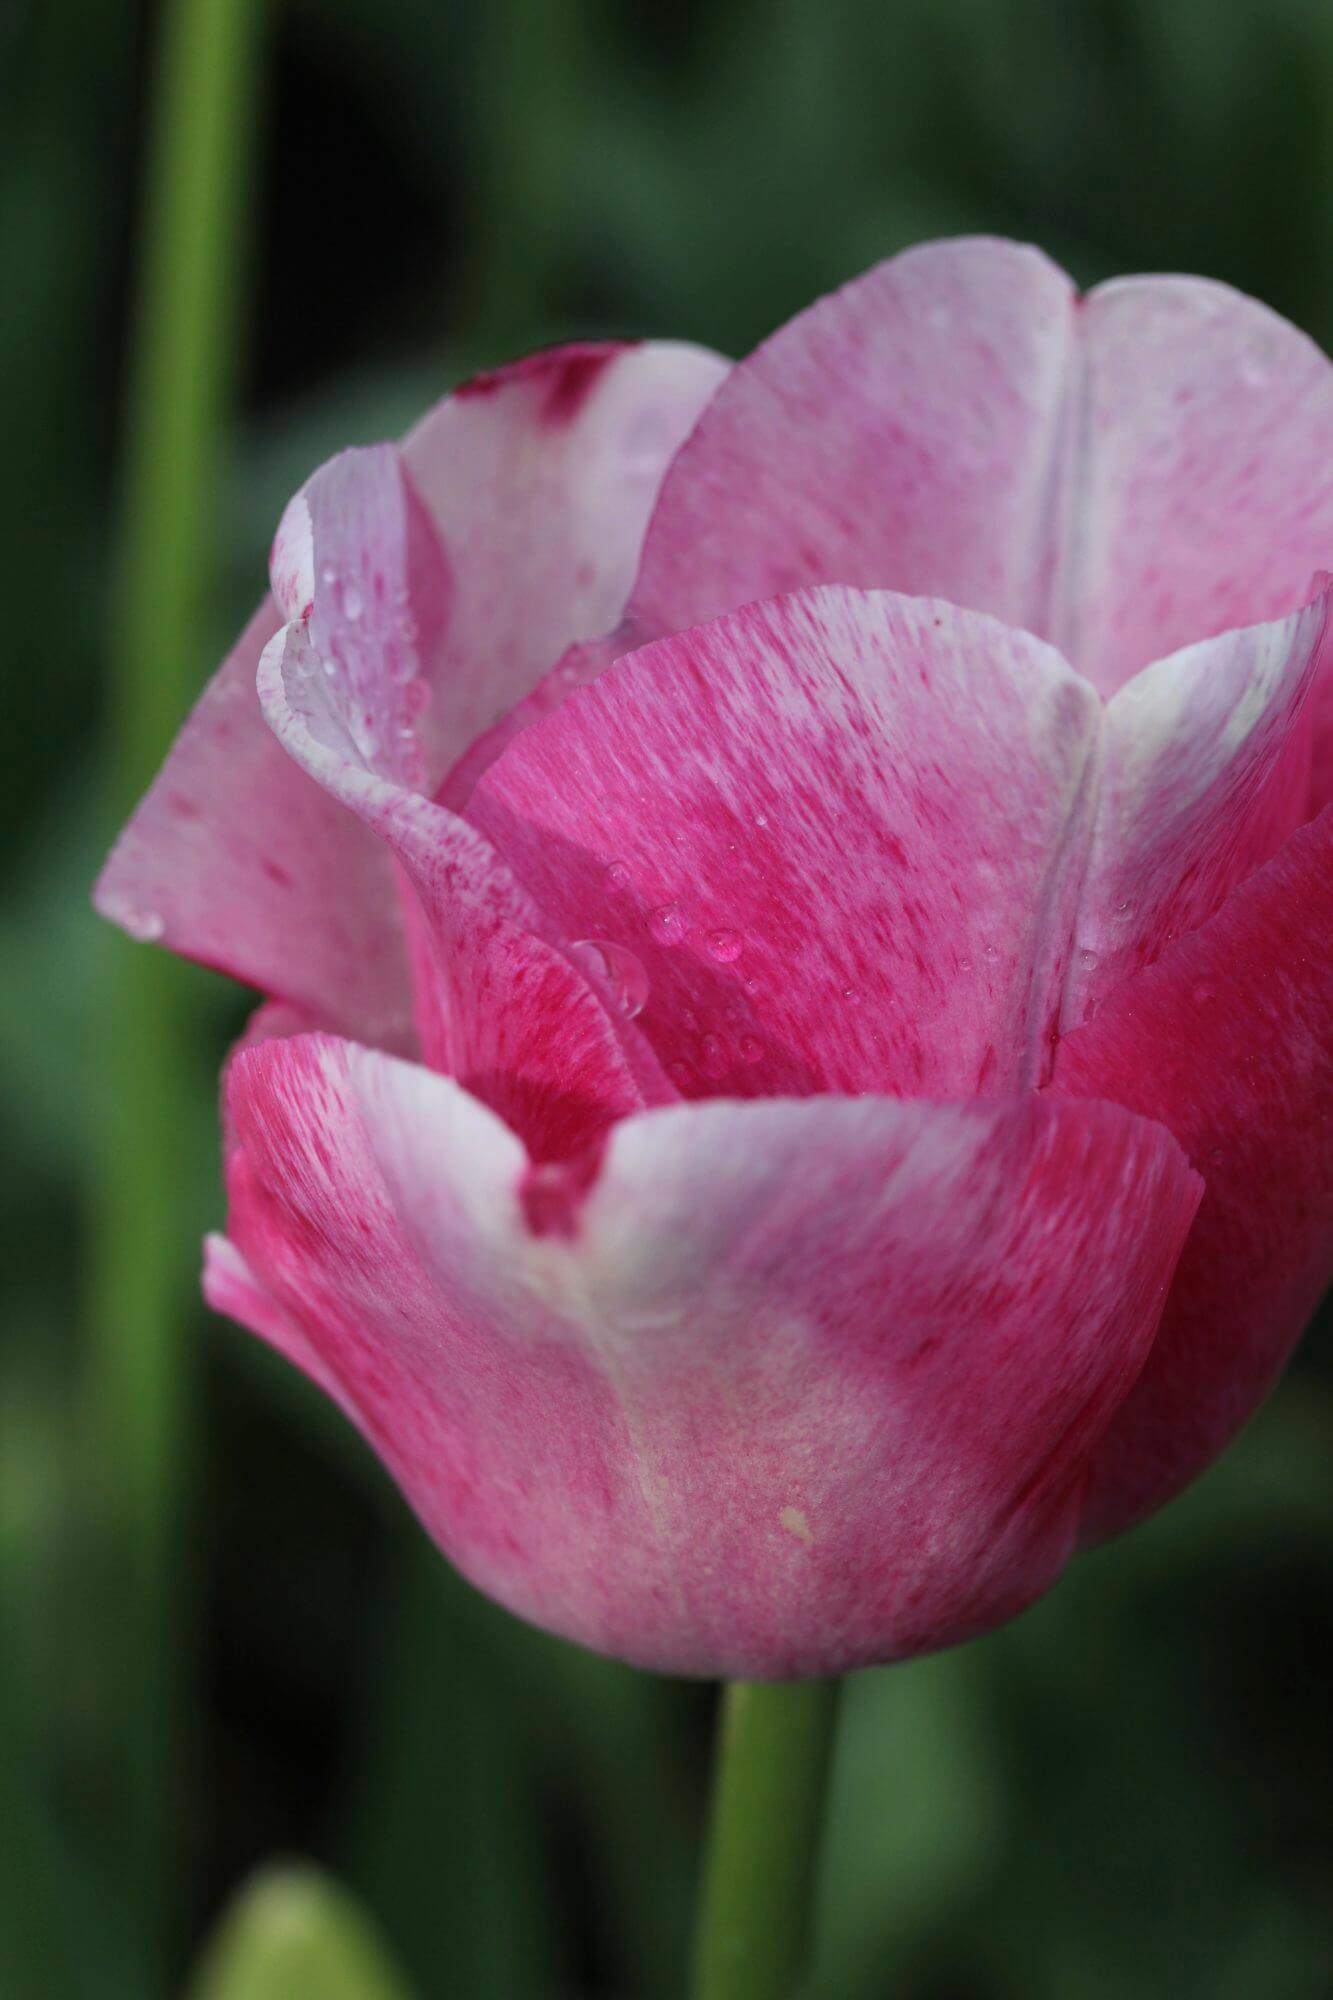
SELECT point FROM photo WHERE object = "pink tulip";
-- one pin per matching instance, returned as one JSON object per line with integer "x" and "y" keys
{"x": 797, "y": 902}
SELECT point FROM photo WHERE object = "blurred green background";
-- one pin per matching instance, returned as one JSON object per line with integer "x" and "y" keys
{"x": 1124, "y": 1796}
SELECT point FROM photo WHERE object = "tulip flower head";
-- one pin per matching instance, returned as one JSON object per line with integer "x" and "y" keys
{"x": 795, "y": 902}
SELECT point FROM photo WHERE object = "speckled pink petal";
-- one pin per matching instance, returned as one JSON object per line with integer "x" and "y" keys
{"x": 1203, "y": 773}
{"x": 1228, "y": 1041}
{"x": 645, "y": 1405}
{"x": 835, "y": 828}
{"x": 540, "y": 478}
{"x": 531, "y": 1030}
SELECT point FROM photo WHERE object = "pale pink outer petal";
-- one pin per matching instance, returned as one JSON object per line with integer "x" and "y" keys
{"x": 233, "y": 857}
{"x": 1123, "y": 474}
{"x": 902, "y": 434}
{"x": 1203, "y": 772}
{"x": 789, "y": 1388}
{"x": 1228, "y": 1041}
{"x": 1198, "y": 494}
{"x": 835, "y": 828}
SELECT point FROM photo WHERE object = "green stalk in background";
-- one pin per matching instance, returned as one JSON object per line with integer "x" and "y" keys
{"x": 200, "y": 139}
{"x": 774, "y": 1751}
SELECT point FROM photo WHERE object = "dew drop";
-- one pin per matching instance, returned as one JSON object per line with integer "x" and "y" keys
{"x": 145, "y": 925}
{"x": 851, "y": 996}
{"x": 989, "y": 951}
{"x": 725, "y": 946}
{"x": 761, "y": 819}
{"x": 617, "y": 876}
{"x": 351, "y": 603}
{"x": 1087, "y": 959}
{"x": 667, "y": 924}
{"x": 619, "y": 968}
{"x": 752, "y": 1049}
{"x": 964, "y": 965}
{"x": 715, "y": 1057}
{"x": 681, "y": 1075}
{"x": 328, "y": 574}
{"x": 752, "y": 984}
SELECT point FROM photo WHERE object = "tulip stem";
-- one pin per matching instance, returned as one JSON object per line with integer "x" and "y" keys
{"x": 183, "y": 361}
{"x": 774, "y": 1750}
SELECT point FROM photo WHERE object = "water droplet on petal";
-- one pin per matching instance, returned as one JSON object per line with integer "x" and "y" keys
{"x": 725, "y": 946}
{"x": 752, "y": 1049}
{"x": 752, "y": 985}
{"x": 761, "y": 819}
{"x": 667, "y": 924}
{"x": 1087, "y": 959}
{"x": 681, "y": 1075}
{"x": 619, "y": 968}
{"x": 328, "y": 574}
{"x": 989, "y": 951}
{"x": 145, "y": 925}
{"x": 351, "y": 603}
{"x": 715, "y": 1057}
{"x": 617, "y": 876}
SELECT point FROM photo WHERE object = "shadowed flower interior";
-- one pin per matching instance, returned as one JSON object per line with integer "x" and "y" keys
{"x": 914, "y": 739}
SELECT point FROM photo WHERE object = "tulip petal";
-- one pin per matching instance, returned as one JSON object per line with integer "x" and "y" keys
{"x": 1123, "y": 474}
{"x": 1203, "y": 774}
{"x": 541, "y": 478}
{"x": 530, "y": 1030}
{"x": 1197, "y": 495}
{"x": 770, "y": 1389}
{"x": 837, "y": 829}
{"x": 900, "y": 434}
{"x": 233, "y": 857}
{"x": 1228, "y": 1041}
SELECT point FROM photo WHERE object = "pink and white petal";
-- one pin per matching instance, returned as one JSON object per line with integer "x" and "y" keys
{"x": 778, "y": 1389}
{"x": 1197, "y": 494}
{"x": 499, "y": 1003}
{"x": 235, "y": 858}
{"x": 1228, "y": 1041}
{"x": 903, "y": 433}
{"x": 1204, "y": 772}
{"x": 541, "y": 478}
{"x": 836, "y": 830}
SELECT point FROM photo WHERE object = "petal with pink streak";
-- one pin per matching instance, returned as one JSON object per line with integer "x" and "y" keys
{"x": 658, "y": 1415}
{"x": 540, "y": 478}
{"x": 1203, "y": 773}
{"x": 233, "y": 857}
{"x": 840, "y": 831}
{"x": 1228, "y": 1041}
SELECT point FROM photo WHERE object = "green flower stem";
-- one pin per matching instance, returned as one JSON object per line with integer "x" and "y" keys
{"x": 773, "y": 1756}
{"x": 195, "y": 196}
